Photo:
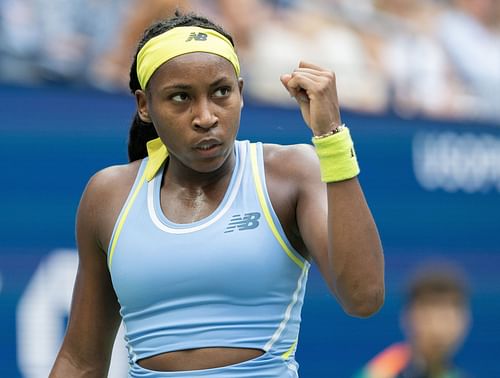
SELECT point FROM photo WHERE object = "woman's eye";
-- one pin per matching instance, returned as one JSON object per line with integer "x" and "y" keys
{"x": 180, "y": 97}
{"x": 222, "y": 92}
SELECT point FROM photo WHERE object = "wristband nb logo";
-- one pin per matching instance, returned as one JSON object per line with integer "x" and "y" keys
{"x": 249, "y": 221}
{"x": 197, "y": 37}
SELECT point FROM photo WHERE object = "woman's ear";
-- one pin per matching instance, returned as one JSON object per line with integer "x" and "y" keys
{"x": 142, "y": 106}
{"x": 240, "y": 86}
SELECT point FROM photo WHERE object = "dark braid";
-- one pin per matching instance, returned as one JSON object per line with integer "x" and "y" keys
{"x": 141, "y": 132}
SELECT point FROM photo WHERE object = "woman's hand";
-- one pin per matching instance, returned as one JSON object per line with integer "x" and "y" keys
{"x": 315, "y": 90}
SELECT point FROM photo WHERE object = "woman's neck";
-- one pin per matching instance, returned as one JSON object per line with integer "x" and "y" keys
{"x": 180, "y": 175}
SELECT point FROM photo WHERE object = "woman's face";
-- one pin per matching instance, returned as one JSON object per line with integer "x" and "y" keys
{"x": 194, "y": 102}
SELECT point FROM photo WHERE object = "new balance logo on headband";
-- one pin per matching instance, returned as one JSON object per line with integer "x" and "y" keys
{"x": 249, "y": 221}
{"x": 197, "y": 37}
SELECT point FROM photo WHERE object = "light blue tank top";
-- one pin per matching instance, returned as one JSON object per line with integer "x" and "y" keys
{"x": 231, "y": 279}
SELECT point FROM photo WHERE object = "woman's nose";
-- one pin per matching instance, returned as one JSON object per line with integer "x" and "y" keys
{"x": 204, "y": 117}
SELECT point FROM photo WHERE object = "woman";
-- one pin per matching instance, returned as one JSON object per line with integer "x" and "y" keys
{"x": 203, "y": 245}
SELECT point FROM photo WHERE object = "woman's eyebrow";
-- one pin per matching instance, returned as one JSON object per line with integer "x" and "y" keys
{"x": 186, "y": 87}
{"x": 219, "y": 81}
{"x": 176, "y": 86}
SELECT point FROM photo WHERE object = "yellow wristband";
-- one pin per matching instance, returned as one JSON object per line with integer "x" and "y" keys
{"x": 337, "y": 159}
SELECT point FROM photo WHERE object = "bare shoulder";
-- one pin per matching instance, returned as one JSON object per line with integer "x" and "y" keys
{"x": 296, "y": 161}
{"x": 103, "y": 199}
{"x": 112, "y": 180}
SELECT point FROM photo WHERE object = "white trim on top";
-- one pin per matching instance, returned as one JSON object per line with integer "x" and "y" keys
{"x": 300, "y": 282}
{"x": 185, "y": 230}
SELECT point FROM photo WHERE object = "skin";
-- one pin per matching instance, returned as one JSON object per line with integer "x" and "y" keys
{"x": 435, "y": 327}
{"x": 482, "y": 10}
{"x": 194, "y": 100}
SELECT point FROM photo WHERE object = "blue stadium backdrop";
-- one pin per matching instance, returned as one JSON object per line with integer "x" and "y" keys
{"x": 434, "y": 189}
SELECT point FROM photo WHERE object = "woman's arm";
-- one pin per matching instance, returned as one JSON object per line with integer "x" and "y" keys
{"x": 340, "y": 234}
{"x": 94, "y": 317}
{"x": 334, "y": 220}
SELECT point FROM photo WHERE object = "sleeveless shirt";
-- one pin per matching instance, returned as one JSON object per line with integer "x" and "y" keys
{"x": 231, "y": 279}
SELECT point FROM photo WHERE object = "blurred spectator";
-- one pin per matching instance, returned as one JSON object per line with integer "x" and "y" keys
{"x": 242, "y": 18}
{"x": 315, "y": 29}
{"x": 438, "y": 58}
{"x": 435, "y": 320}
{"x": 111, "y": 70}
{"x": 57, "y": 40}
{"x": 419, "y": 72}
{"x": 470, "y": 35}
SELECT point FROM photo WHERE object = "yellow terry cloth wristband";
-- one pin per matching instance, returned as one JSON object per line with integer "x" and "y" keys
{"x": 337, "y": 159}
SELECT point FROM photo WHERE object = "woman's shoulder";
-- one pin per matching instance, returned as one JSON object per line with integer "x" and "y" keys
{"x": 103, "y": 198}
{"x": 295, "y": 160}
{"x": 114, "y": 178}
{"x": 108, "y": 188}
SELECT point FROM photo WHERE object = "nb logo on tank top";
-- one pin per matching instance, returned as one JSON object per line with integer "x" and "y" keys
{"x": 248, "y": 221}
{"x": 197, "y": 37}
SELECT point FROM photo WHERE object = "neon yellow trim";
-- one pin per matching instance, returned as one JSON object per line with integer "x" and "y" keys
{"x": 287, "y": 354}
{"x": 178, "y": 41}
{"x": 123, "y": 217}
{"x": 265, "y": 208}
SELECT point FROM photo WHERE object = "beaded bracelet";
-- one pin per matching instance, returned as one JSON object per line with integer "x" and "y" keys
{"x": 336, "y": 130}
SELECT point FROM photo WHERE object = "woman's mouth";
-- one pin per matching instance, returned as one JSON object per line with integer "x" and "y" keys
{"x": 208, "y": 148}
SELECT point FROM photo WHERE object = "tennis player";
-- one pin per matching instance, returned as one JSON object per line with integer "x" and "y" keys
{"x": 202, "y": 243}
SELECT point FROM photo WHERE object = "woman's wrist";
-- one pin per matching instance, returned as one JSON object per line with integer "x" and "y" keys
{"x": 333, "y": 130}
{"x": 336, "y": 155}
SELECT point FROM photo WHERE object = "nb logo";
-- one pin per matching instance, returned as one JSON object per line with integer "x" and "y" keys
{"x": 249, "y": 221}
{"x": 197, "y": 37}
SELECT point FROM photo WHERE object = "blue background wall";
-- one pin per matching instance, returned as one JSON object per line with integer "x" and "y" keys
{"x": 53, "y": 140}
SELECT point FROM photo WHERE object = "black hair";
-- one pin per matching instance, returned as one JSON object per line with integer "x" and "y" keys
{"x": 141, "y": 132}
{"x": 437, "y": 281}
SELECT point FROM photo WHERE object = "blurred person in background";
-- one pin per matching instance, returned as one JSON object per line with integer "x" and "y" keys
{"x": 432, "y": 58}
{"x": 110, "y": 70}
{"x": 319, "y": 30}
{"x": 422, "y": 79}
{"x": 435, "y": 320}
{"x": 55, "y": 41}
{"x": 469, "y": 32}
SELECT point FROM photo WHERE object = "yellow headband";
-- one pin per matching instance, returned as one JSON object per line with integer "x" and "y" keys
{"x": 178, "y": 41}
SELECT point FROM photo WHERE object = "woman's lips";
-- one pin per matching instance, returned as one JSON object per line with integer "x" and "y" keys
{"x": 208, "y": 147}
